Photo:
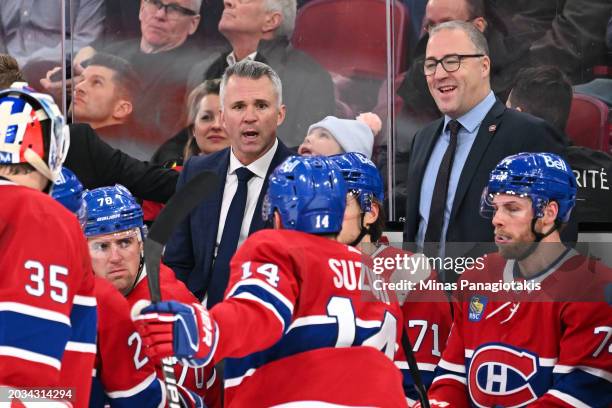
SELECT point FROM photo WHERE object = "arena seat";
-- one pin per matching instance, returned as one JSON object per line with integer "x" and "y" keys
{"x": 588, "y": 124}
{"x": 349, "y": 37}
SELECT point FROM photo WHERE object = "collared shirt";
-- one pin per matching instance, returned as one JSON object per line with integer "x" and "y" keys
{"x": 231, "y": 58}
{"x": 31, "y": 30}
{"x": 260, "y": 168}
{"x": 470, "y": 124}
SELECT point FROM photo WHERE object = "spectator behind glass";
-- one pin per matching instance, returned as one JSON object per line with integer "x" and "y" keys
{"x": 105, "y": 98}
{"x": 161, "y": 58}
{"x": 569, "y": 34}
{"x": 545, "y": 92}
{"x": 97, "y": 164}
{"x": 206, "y": 135}
{"x": 30, "y": 31}
{"x": 260, "y": 30}
{"x": 335, "y": 136}
{"x": 9, "y": 71}
{"x": 203, "y": 133}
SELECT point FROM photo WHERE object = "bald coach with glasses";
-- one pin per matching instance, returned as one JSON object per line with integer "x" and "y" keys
{"x": 451, "y": 157}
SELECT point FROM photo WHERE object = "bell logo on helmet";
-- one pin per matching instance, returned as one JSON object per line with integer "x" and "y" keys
{"x": 556, "y": 164}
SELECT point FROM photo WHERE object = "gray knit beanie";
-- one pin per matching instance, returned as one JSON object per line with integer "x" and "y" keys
{"x": 352, "y": 135}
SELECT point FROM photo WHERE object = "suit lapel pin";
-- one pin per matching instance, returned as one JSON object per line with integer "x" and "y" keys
{"x": 492, "y": 128}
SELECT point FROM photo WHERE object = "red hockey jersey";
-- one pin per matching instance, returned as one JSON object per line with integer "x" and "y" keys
{"x": 47, "y": 303}
{"x": 298, "y": 330}
{"x": 529, "y": 347}
{"x": 427, "y": 313}
{"x": 202, "y": 381}
{"x": 124, "y": 377}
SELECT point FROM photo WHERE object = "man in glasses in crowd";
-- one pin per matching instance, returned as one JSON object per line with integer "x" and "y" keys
{"x": 452, "y": 156}
{"x": 161, "y": 58}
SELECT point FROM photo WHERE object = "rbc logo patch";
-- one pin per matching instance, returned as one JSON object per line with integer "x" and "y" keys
{"x": 477, "y": 307}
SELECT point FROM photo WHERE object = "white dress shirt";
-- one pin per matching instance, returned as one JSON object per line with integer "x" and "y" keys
{"x": 231, "y": 58}
{"x": 260, "y": 168}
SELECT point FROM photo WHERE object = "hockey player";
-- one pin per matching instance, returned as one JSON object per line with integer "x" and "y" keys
{"x": 118, "y": 380}
{"x": 68, "y": 190}
{"x": 427, "y": 314}
{"x": 47, "y": 303}
{"x": 293, "y": 328}
{"x": 115, "y": 232}
{"x": 546, "y": 341}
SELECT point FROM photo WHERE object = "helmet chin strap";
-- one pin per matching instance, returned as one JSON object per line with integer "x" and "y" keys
{"x": 141, "y": 263}
{"x": 362, "y": 233}
{"x": 538, "y": 237}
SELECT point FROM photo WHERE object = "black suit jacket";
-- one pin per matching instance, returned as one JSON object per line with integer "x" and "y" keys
{"x": 190, "y": 250}
{"x": 97, "y": 164}
{"x": 503, "y": 132}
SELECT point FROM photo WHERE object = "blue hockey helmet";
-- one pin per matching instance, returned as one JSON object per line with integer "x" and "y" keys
{"x": 111, "y": 209}
{"x": 68, "y": 190}
{"x": 543, "y": 177}
{"x": 309, "y": 193}
{"x": 361, "y": 176}
{"x": 27, "y": 119}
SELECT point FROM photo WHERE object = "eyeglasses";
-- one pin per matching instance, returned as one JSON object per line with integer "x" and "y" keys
{"x": 172, "y": 10}
{"x": 450, "y": 63}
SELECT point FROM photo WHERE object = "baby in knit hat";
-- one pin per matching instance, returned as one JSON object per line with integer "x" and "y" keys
{"x": 334, "y": 136}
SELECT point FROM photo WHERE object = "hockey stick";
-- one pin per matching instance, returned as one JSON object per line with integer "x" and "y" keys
{"x": 177, "y": 208}
{"x": 414, "y": 369}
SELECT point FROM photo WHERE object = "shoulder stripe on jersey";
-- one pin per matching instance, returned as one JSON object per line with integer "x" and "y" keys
{"x": 469, "y": 353}
{"x": 134, "y": 390}
{"x": 35, "y": 312}
{"x": 597, "y": 372}
{"x": 426, "y": 366}
{"x": 284, "y": 320}
{"x": 84, "y": 319}
{"x": 232, "y": 382}
{"x": 84, "y": 300}
{"x": 568, "y": 399}
{"x": 402, "y": 365}
{"x": 30, "y": 356}
{"x": 33, "y": 334}
{"x": 457, "y": 368}
{"x": 451, "y": 377}
{"x": 81, "y": 347}
{"x": 265, "y": 286}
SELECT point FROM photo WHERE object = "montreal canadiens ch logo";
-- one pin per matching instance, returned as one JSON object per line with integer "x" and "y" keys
{"x": 499, "y": 375}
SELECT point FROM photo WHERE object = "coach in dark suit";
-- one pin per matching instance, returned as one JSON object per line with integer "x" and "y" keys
{"x": 451, "y": 157}
{"x": 252, "y": 109}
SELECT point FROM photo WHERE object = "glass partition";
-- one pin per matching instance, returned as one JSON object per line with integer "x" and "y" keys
{"x": 334, "y": 57}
